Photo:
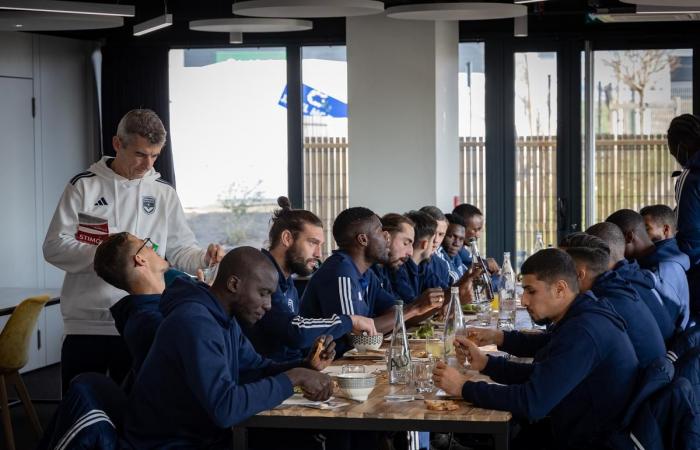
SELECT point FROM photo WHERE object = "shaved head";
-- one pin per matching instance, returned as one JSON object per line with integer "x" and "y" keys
{"x": 244, "y": 263}
{"x": 612, "y": 235}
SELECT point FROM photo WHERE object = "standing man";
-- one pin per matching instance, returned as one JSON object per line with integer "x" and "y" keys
{"x": 117, "y": 194}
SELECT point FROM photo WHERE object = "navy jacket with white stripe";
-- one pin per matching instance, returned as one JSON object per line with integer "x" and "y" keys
{"x": 338, "y": 287}
{"x": 282, "y": 334}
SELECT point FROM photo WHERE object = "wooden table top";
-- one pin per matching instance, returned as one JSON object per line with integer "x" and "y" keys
{"x": 377, "y": 408}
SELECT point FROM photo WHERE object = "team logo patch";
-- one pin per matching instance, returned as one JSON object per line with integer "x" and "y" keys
{"x": 290, "y": 304}
{"x": 149, "y": 204}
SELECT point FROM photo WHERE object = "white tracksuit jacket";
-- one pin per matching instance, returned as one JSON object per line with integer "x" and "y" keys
{"x": 146, "y": 207}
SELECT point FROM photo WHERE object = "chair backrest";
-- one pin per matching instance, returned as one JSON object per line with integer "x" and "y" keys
{"x": 688, "y": 367}
{"x": 668, "y": 420}
{"x": 89, "y": 416}
{"x": 684, "y": 341}
{"x": 651, "y": 379}
{"x": 15, "y": 337}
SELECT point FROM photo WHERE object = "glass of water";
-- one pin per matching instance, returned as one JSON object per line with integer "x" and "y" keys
{"x": 483, "y": 315}
{"x": 423, "y": 375}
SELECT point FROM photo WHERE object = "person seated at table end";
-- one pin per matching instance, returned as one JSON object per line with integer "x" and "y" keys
{"x": 581, "y": 378}
{"x": 202, "y": 375}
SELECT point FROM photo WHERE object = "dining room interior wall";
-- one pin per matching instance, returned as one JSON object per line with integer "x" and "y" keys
{"x": 43, "y": 145}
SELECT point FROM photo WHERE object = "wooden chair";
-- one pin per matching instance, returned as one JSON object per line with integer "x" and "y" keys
{"x": 14, "y": 353}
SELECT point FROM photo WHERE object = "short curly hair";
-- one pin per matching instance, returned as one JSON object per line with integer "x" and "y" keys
{"x": 144, "y": 123}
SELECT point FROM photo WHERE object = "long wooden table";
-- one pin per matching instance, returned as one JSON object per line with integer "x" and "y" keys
{"x": 376, "y": 414}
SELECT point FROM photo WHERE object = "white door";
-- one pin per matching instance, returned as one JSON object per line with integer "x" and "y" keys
{"x": 18, "y": 266}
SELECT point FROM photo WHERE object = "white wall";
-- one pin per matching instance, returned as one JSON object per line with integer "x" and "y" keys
{"x": 402, "y": 91}
{"x": 59, "y": 145}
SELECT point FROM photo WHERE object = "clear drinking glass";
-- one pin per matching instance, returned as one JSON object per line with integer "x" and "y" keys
{"x": 353, "y": 368}
{"x": 210, "y": 273}
{"x": 423, "y": 375}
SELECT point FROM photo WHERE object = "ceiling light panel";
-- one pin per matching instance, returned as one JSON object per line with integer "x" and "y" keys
{"x": 307, "y": 8}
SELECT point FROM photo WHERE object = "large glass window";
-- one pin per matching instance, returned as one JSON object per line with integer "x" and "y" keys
{"x": 325, "y": 122}
{"x": 636, "y": 93}
{"x": 228, "y": 127}
{"x": 472, "y": 128}
{"x": 536, "y": 150}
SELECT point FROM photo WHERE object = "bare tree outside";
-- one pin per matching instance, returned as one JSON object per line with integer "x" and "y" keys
{"x": 239, "y": 201}
{"x": 635, "y": 69}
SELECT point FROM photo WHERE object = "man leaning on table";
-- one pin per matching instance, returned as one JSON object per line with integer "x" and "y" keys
{"x": 583, "y": 371}
{"x": 123, "y": 193}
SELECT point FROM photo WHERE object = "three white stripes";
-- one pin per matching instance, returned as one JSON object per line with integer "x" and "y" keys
{"x": 345, "y": 295}
{"x": 89, "y": 418}
{"x": 302, "y": 322}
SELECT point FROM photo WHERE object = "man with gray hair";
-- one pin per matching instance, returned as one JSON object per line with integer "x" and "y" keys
{"x": 116, "y": 194}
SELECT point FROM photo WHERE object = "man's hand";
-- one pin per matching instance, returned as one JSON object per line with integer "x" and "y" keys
{"x": 492, "y": 266}
{"x": 363, "y": 324}
{"x": 484, "y": 336}
{"x": 429, "y": 300}
{"x": 317, "y": 386}
{"x": 321, "y": 354}
{"x": 215, "y": 253}
{"x": 471, "y": 353}
{"x": 449, "y": 379}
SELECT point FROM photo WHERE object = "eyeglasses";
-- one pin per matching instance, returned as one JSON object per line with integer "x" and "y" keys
{"x": 148, "y": 243}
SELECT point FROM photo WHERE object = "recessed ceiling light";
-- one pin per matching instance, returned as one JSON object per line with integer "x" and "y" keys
{"x": 307, "y": 8}
{"x": 457, "y": 11}
{"x": 57, "y": 6}
{"x": 18, "y": 25}
{"x": 249, "y": 25}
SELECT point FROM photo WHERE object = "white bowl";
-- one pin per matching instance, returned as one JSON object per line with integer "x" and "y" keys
{"x": 356, "y": 386}
{"x": 364, "y": 342}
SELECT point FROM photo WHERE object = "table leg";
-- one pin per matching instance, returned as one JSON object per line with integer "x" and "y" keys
{"x": 501, "y": 440}
{"x": 240, "y": 438}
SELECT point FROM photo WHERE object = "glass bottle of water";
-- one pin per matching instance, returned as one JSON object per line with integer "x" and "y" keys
{"x": 506, "y": 312}
{"x": 454, "y": 324}
{"x": 398, "y": 356}
{"x": 539, "y": 243}
{"x": 483, "y": 282}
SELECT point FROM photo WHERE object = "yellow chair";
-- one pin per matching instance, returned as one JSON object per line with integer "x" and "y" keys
{"x": 14, "y": 354}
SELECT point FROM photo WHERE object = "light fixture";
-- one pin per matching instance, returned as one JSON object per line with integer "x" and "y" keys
{"x": 457, "y": 11}
{"x": 249, "y": 25}
{"x": 307, "y": 8}
{"x": 644, "y": 9}
{"x": 665, "y": 3}
{"x": 235, "y": 38}
{"x": 39, "y": 21}
{"x": 523, "y": 2}
{"x": 57, "y": 6}
{"x": 154, "y": 24}
{"x": 520, "y": 26}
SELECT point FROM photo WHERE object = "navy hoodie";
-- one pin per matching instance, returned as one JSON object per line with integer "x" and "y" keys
{"x": 670, "y": 264}
{"x": 644, "y": 282}
{"x": 582, "y": 376}
{"x": 641, "y": 327}
{"x": 137, "y": 318}
{"x": 688, "y": 210}
{"x": 282, "y": 334}
{"x": 411, "y": 279}
{"x": 201, "y": 377}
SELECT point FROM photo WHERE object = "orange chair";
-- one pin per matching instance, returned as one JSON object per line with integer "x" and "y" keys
{"x": 14, "y": 353}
